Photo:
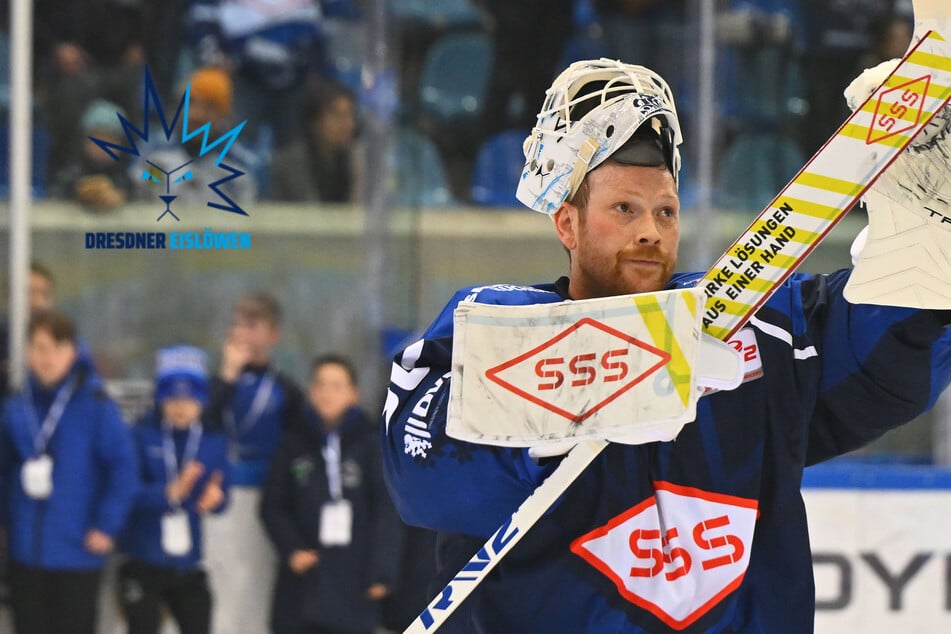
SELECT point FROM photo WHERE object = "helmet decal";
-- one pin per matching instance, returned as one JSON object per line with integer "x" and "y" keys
{"x": 590, "y": 111}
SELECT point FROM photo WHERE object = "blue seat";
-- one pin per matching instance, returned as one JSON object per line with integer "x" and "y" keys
{"x": 754, "y": 169}
{"x": 419, "y": 172}
{"x": 440, "y": 14}
{"x": 497, "y": 168}
{"x": 342, "y": 9}
{"x": 41, "y": 150}
{"x": 583, "y": 45}
{"x": 454, "y": 77}
{"x": 346, "y": 44}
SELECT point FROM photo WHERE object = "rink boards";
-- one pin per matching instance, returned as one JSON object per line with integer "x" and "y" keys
{"x": 881, "y": 542}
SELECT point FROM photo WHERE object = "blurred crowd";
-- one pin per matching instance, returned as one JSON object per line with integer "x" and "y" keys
{"x": 465, "y": 79}
{"x": 233, "y": 500}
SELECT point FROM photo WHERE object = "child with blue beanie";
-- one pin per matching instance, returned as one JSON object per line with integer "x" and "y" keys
{"x": 185, "y": 473}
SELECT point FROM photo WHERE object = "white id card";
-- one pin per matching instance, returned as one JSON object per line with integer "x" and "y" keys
{"x": 37, "y": 477}
{"x": 336, "y": 520}
{"x": 176, "y": 533}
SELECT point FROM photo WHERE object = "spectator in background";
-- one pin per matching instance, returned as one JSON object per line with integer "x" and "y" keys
{"x": 210, "y": 103}
{"x": 527, "y": 37}
{"x": 85, "y": 49}
{"x": 891, "y": 38}
{"x": 95, "y": 180}
{"x": 253, "y": 403}
{"x": 184, "y": 470}
{"x": 839, "y": 33}
{"x": 323, "y": 165}
{"x": 41, "y": 289}
{"x": 41, "y": 297}
{"x": 269, "y": 46}
{"x": 69, "y": 478}
{"x": 327, "y": 511}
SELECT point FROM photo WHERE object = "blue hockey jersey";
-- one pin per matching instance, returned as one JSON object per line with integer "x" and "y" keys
{"x": 703, "y": 534}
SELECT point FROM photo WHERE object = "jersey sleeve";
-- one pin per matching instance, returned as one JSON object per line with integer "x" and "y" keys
{"x": 881, "y": 366}
{"x": 435, "y": 481}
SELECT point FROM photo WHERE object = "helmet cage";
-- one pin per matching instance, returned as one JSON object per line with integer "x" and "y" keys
{"x": 578, "y": 128}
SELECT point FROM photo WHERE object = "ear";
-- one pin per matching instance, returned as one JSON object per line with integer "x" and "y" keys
{"x": 566, "y": 224}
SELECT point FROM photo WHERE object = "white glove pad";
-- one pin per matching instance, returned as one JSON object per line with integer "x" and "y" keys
{"x": 904, "y": 257}
{"x": 627, "y": 368}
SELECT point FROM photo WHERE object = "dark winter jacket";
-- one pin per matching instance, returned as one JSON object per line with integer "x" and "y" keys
{"x": 296, "y": 490}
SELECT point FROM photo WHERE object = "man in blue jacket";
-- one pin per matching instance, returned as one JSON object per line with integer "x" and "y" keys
{"x": 69, "y": 477}
{"x": 705, "y": 533}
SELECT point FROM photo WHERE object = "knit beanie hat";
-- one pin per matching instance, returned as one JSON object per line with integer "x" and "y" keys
{"x": 213, "y": 85}
{"x": 102, "y": 116}
{"x": 181, "y": 373}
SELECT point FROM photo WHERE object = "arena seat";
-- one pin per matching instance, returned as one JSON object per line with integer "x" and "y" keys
{"x": 754, "y": 168}
{"x": 419, "y": 171}
{"x": 41, "y": 149}
{"x": 497, "y": 168}
{"x": 454, "y": 77}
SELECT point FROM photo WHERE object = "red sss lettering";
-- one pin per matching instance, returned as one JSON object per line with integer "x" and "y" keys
{"x": 719, "y": 541}
{"x": 587, "y": 372}
{"x": 634, "y": 541}
{"x": 541, "y": 369}
{"x": 620, "y": 366}
{"x": 647, "y": 544}
{"x": 886, "y": 122}
{"x": 673, "y": 554}
{"x": 910, "y": 97}
{"x": 583, "y": 368}
{"x": 663, "y": 557}
{"x": 748, "y": 352}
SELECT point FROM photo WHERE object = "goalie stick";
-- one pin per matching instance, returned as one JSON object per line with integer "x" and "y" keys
{"x": 763, "y": 257}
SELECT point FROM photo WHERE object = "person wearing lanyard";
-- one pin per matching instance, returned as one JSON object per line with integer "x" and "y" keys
{"x": 68, "y": 480}
{"x": 252, "y": 403}
{"x": 185, "y": 475}
{"x": 328, "y": 514}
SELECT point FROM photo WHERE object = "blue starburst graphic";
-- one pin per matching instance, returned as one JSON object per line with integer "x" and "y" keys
{"x": 152, "y": 104}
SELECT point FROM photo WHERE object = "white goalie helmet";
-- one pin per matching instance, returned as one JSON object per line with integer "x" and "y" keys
{"x": 591, "y": 110}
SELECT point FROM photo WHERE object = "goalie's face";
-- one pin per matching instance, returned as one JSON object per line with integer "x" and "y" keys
{"x": 625, "y": 238}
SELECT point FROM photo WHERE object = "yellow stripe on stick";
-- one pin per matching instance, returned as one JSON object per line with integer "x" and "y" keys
{"x": 922, "y": 58}
{"x": 813, "y": 209}
{"x": 860, "y": 132}
{"x": 828, "y": 184}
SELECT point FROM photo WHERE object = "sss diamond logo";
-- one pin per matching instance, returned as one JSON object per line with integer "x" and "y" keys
{"x": 899, "y": 109}
{"x": 558, "y": 375}
{"x": 676, "y": 554}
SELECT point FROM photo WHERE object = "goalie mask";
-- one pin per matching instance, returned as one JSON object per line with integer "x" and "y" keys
{"x": 593, "y": 110}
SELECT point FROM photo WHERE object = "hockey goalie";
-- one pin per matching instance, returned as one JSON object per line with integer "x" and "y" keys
{"x": 691, "y": 519}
